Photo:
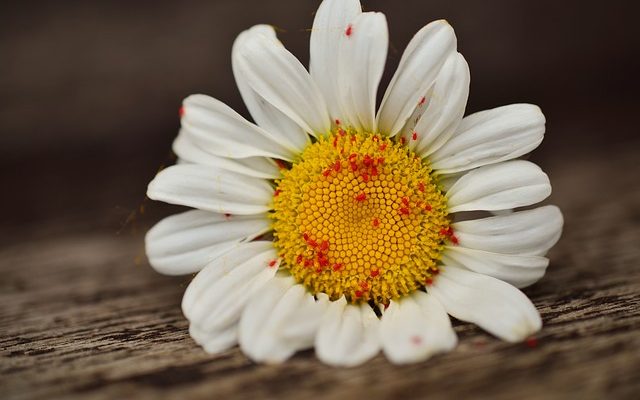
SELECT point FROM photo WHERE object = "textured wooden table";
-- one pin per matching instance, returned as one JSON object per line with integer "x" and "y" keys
{"x": 81, "y": 316}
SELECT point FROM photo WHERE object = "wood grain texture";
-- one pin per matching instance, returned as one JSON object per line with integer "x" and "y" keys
{"x": 79, "y": 319}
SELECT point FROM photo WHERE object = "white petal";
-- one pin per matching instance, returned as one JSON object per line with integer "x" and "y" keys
{"x": 186, "y": 242}
{"x": 415, "y": 328}
{"x": 215, "y": 341}
{"x": 282, "y": 128}
{"x": 216, "y": 296}
{"x": 493, "y": 305}
{"x": 518, "y": 270}
{"x": 420, "y": 64}
{"x": 500, "y": 186}
{"x": 348, "y": 334}
{"x": 259, "y": 167}
{"x": 219, "y": 130}
{"x": 361, "y": 60}
{"x": 279, "y": 78}
{"x": 444, "y": 109}
{"x": 329, "y": 25}
{"x": 529, "y": 232}
{"x": 491, "y": 136}
{"x": 211, "y": 189}
{"x": 280, "y": 319}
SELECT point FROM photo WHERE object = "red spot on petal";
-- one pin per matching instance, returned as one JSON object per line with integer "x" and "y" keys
{"x": 532, "y": 342}
{"x": 349, "y": 30}
{"x": 227, "y": 216}
{"x": 272, "y": 263}
{"x": 422, "y": 100}
{"x": 181, "y": 111}
{"x": 403, "y": 141}
{"x": 416, "y": 340}
{"x": 337, "y": 121}
{"x": 454, "y": 240}
{"x": 281, "y": 164}
{"x": 414, "y": 135}
{"x": 428, "y": 281}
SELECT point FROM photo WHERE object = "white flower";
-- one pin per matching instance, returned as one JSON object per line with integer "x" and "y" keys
{"x": 363, "y": 253}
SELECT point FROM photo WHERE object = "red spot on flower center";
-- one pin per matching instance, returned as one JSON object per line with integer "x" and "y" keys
{"x": 361, "y": 197}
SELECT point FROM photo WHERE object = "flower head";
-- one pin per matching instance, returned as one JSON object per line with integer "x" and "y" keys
{"x": 329, "y": 224}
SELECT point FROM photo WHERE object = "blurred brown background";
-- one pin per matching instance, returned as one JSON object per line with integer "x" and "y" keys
{"x": 89, "y": 90}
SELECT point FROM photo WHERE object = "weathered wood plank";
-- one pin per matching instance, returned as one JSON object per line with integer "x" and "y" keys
{"x": 79, "y": 319}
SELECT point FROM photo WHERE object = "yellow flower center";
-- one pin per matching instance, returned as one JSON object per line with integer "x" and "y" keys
{"x": 360, "y": 215}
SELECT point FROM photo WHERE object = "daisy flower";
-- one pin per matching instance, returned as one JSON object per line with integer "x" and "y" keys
{"x": 330, "y": 225}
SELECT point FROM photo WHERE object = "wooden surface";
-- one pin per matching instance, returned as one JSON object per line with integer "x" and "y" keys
{"x": 83, "y": 316}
